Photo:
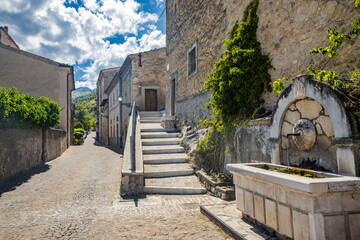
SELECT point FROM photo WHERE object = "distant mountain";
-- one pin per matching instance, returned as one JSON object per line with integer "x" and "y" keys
{"x": 83, "y": 89}
{"x": 85, "y": 109}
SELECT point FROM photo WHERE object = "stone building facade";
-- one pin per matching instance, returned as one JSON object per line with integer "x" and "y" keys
{"x": 143, "y": 84}
{"x": 104, "y": 79}
{"x": 287, "y": 30}
{"x": 39, "y": 76}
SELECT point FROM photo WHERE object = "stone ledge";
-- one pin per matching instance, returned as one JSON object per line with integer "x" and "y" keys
{"x": 229, "y": 219}
{"x": 223, "y": 191}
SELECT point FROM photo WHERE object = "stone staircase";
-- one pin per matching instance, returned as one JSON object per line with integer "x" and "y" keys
{"x": 166, "y": 170}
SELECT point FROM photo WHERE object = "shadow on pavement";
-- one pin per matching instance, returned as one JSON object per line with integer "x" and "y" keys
{"x": 135, "y": 199}
{"x": 12, "y": 183}
{"x": 114, "y": 149}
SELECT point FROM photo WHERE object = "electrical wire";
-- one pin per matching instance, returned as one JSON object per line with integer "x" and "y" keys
{"x": 152, "y": 30}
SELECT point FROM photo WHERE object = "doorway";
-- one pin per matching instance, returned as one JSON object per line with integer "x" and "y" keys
{"x": 172, "y": 97}
{"x": 150, "y": 100}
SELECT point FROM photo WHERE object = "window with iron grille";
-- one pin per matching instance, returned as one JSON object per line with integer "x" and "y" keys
{"x": 192, "y": 60}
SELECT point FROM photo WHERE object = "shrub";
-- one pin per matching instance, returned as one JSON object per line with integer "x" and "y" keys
{"x": 25, "y": 111}
{"x": 79, "y": 135}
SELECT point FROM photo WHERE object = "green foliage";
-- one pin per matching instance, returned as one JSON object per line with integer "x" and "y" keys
{"x": 25, "y": 111}
{"x": 213, "y": 145}
{"x": 85, "y": 110}
{"x": 279, "y": 84}
{"x": 78, "y": 125}
{"x": 348, "y": 88}
{"x": 241, "y": 76}
{"x": 79, "y": 135}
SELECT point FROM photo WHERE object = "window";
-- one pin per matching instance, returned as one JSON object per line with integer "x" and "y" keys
{"x": 192, "y": 60}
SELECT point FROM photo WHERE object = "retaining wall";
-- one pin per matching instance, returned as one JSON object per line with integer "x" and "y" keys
{"x": 22, "y": 149}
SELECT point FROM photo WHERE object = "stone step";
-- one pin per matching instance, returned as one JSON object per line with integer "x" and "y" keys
{"x": 167, "y": 170}
{"x": 164, "y": 158}
{"x": 147, "y": 135}
{"x": 162, "y": 149}
{"x": 150, "y": 118}
{"x": 160, "y": 141}
{"x": 174, "y": 185}
{"x": 150, "y": 121}
{"x": 149, "y": 114}
{"x": 173, "y": 190}
{"x": 155, "y": 128}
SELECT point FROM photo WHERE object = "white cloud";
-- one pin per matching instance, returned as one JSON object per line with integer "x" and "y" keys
{"x": 48, "y": 28}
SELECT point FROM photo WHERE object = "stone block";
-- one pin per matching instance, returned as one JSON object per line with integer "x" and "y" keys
{"x": 292, "y": 116}
{"x": 285, "y": 220}
{"x": 354, "y": 222}
{"x": 335, "y": 227}
{"x": 271, "y": 214}
{"x": 324, "y": 142}
{"x": 259, "y": 208}
{"x": 249, "y": 203}
{"x": 240, "y": 199}
{"x": 309, "y": 109}
{"x": 326, "y": 125}
{"x": 286, "y": 128}
{"x": 268, "y": 190}
{"x": 301, "y": 225}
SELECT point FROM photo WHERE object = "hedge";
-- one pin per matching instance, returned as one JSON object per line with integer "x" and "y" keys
{"x": 25, "y": 111}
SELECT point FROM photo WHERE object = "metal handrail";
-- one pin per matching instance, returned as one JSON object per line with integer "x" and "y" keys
{"x": 132, "y": 126}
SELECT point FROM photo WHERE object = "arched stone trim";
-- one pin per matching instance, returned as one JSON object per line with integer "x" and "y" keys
{"x": 302, "y": 87}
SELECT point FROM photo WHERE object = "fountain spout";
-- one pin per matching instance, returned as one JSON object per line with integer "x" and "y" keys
{"x": 293, "y": 134}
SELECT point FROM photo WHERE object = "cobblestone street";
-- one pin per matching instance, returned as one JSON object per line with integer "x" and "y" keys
{"x": 76, "y": 196}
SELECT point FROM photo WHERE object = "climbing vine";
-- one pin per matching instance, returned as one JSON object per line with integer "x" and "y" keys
{"x": 236, "y": 86}
{"x": 347, "y": 87}
{"x": 241, "y": 76}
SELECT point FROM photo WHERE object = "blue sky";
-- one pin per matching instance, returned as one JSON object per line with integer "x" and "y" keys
{"x": 89, "y": 34}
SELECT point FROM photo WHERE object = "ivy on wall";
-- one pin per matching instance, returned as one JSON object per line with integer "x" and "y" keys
{"x": 236, "y": 85}
{"x": 25, "y": 111}
{"x": 241, "y": 76}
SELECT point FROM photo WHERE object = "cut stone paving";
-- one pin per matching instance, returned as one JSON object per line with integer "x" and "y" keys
{"x": 165, "y": 168}
{"x": 76, "y": 196}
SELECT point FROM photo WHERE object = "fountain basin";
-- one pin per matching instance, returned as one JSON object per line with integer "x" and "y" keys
{"x": 298, "y": 207}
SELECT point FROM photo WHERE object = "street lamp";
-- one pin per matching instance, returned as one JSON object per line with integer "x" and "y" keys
{"x": 120, "y": 99}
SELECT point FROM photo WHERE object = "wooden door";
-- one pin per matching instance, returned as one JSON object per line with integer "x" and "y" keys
{"x": 150, "y": 100}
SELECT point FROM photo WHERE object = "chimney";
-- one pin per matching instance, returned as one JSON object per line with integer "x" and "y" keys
{"x": 6, "y": 29}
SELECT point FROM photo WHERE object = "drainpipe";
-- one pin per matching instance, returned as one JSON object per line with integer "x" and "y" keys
{"x": 108, "y": 117}
{"x": 120, "y": 112}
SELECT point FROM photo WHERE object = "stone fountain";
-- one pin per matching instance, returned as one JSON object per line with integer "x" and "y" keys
{"x": 309, "y": 126}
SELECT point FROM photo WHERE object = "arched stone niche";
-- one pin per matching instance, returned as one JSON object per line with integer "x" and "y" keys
{"x": 316, "y": 103}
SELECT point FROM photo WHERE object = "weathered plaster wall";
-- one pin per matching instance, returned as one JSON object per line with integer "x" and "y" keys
{"x": 252, "y": 142}
{"x": 37, "y": 76}
{"x": 56, "y": 143}
{"x": 287, "y": 31}
{"x": 22, "y": 149}
{"x": 190, "y": 111}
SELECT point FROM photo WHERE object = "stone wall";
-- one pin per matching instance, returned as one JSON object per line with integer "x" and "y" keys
{"x": 190, "y": 111}
{"x": 323, "y": 152}
{"x": 56, "y": 143}
{"x": 150, "y": 76}
{"x": 287, "y": 30}
{"x": 22, "y": 149}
